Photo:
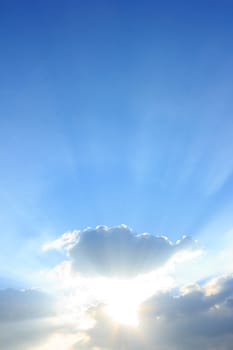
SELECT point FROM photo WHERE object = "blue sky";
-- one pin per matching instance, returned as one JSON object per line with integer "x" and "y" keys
{"x": 116, "y": 174}
{"x": 113, "y": 112}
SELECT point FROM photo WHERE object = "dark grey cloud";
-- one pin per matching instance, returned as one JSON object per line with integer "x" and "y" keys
{"x": 187, "y": 321}
{"x": 118, "y": 252}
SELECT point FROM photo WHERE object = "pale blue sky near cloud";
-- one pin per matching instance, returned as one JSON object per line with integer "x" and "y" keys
{"x": 113, "y": 112}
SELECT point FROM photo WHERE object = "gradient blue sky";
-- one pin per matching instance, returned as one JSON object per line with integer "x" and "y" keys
{"x": 113, "y": 112}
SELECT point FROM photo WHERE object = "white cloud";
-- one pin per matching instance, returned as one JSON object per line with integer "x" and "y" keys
{"x": 25, "y": 304}
{"x": 81, "y": 316}
{"x": 65, "y": 240}
{"x": 189, "y": 320}
{"x": 118, "y": 252}
{"x": 34, "y": 320}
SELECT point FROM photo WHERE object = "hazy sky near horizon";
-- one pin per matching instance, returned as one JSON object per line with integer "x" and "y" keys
{"x": 117, "y": 112}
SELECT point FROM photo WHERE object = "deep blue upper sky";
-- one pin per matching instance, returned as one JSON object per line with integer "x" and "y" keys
{"x": 114, "y": 112}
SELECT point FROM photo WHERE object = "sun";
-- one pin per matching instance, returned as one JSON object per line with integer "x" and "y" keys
{"x": 125, "y": 313}
{"x": 124, "y": 297}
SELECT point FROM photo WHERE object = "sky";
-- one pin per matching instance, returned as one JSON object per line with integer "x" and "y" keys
{"x": 116, "y": 174}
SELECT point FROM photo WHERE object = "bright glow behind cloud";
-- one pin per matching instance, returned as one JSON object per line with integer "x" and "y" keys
{"x": 99, "y": 312}
{"x": 116, "y": 267}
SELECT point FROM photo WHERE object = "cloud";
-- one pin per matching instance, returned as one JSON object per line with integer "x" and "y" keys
{"x": 190, "y": 320}
{"x": 33, "y": 320}
{"x": 118, "y": 252}
{"x": 193, "y": 316}
{"x": 25, "y": 304}
{"x": 197, "y": 316}
{"x": 26, "y": 318}
{"x": 64, "y": 241}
